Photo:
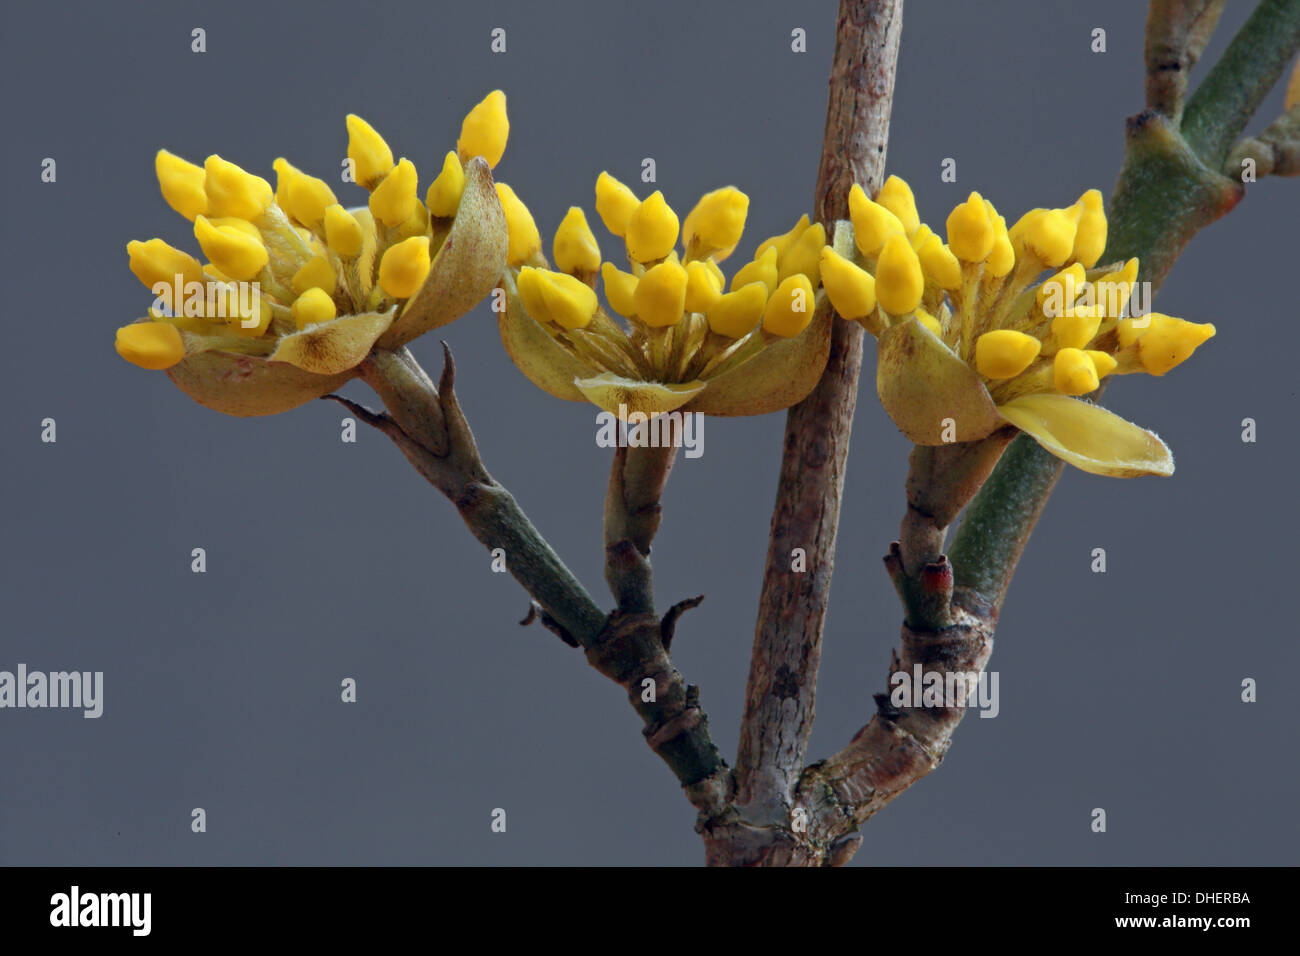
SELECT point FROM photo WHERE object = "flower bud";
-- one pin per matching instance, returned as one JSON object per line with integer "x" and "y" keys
{"x": 485, "y": 130}
{"x": 313, "y": 306}
{"x": 899, "y": 281}
{"x": 151, "y": 345}
{"x": 181, "y": 183}
{"x": 308, "y": 198}
{"x": 660, "y": 297}
{"x": 1073, "y": 372}
{"x": 737, "y": 313}
{"x": 155, "y": 261}
{"x": 1048, "y": 234}
{"x": 763, "y": 269}
{"x": 1090, "y": 237}
{"x": 232, "y": 192}
{"x": 316, "y": 274}
{"x": 1003, "y": 257}
{"x": 575, "y": 247}
{"x": 370, "y": 155}
{"x": 443, "y": 196}
{"x": 404, "y": 266}
{"x": 703, "y": 286}
{"x": 896, "y": 196}
{"x": 970, "y": 230}
{"x": 852, "y": 290}
{"x": 1056, "y": 296}
{"x": 717, "y": 221}
{"x": 1103, "y": 362}
{"x": 343, "y": 233}
{"x": 393, "y": 201}
{"x": 930, "y": 322}
{"x": 784, "y": 241}
{"x": 939, "y": 264}
{"x": 804, "y": 255}
{"x": 615, "y": 204}
{"x": 555, "y": 297}
{"x": 1170, "y": 342}
{"x": 1005, "y": 353}
{"x": 232, "y": 250}
{"x": 872, "y": 222}
{"x": 524, "y": 239}
{"x": 790, "y": 307}
{"x": 1076, "y": 327}
{"x": 620, "y": 289}
{"x": 651, "y": 229}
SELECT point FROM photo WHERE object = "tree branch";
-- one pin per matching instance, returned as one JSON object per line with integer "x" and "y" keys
{"x": 632, "y": 512}
{"x": 787, "y": 640}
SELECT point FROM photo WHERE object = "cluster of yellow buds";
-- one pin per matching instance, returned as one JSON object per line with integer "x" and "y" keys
{"x": 970, "y": 339}
{"x": 689, "y": 340}
{"x": 295, "y": 289}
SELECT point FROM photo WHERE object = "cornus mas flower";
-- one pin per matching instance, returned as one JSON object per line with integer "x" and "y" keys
{"x": 969, "y": 340}
{"x": 689, "y": 339}
{"x": 294, "y": 289}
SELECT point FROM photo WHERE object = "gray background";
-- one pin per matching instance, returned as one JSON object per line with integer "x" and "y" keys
{"x": 328, "y": 560}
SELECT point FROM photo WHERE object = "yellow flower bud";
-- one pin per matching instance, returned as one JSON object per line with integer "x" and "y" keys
{"x": 393, "y": 201}
{"x": 285, "y": 173}
{"x": 660, "y": 297}
{"x": 1005, "y": 353}
{"x": 342, "y": 232}
{"x": 651, "y": 229}
{"x": 443, "y": 197}
{"x": 524, "y": 239}
{"x": 899, "y": 281}
{"x": 620, "y": 288}
{"x": 555, "y": 297}
{"x": 404, "y": 266}
{"x": 574, "y": 246}
{"x": 485, "y": 130}
{"x": 1003, "y": 257}
{"x": 970, "y": 230}
{"x": 231, "y": 250}
{"x": 763, "y": 269}
{"x": 1056, "y": 296}
{"x": 939, "y": 264}
{"x": 1113, "y": 290}
{"x": 804, "y": 255}
{"x": 227, "y": 301}
{"x": 1170, "y": 342}
{"x": 790, "y": 307}
{"x": 314, "y": 305}
{"x": 232, "y": 192}
{"x": 615, "y": 204}
{"x": 737, "y": 313}
{"x": 852, "y": 290}
{"x": 1049, "y": 234}
{"x": 703, "y": 286}
{"x": 718, "y": 220}
{"x": 181, "y": 183}
{"x": 316, "y": 274}
{"x": 896, "y": 196}
{"x": 151, "y": 345}
{"x": 1090, "y": 237}
{"x": 930, "y": 322}
{"x": 155, "y": 261}
{"x": 1073, "y": 372}
{"x": 1076, "y": 327}
{"x": 1103, "y": 362}
{"x": 370, "y": 155}
{"x": 872, "y": 222}
{"x": 784, "y": 241}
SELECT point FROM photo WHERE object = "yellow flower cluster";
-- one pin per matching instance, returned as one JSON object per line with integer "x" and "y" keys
{"x": 1021, "y": 346}
{"x": 290, "y": 275}
{"x": 685, "y": 326}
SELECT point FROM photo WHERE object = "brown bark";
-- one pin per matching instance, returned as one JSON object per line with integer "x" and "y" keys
{"x": 787, "y": 641}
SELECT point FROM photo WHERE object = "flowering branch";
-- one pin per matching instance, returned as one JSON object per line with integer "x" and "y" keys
{"x": 1168, "y": 190}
